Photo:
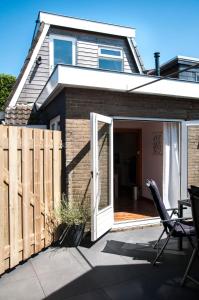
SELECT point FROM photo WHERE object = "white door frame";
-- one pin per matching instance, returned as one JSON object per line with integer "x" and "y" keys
{"x": 101, "y": 220}
{"x": 184, "y": 153}
{"x": 183, "y": 161}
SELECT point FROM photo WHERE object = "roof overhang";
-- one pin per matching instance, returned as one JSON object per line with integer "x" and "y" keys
{"x": 81, "y": 24}
{"x": 80, "y": 77}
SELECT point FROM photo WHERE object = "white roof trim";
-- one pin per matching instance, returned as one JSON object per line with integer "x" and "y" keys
{"x": 66, "y": 76}
{"x": 135, "y": 55}
{"x": 188, "y": 58}
{"x": 80, "y": 24}
{"x": 185, "y": 58}
{"x": 15, "y": 96}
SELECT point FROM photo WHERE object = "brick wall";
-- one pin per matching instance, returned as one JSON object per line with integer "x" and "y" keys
{"x": 193, "y": 155}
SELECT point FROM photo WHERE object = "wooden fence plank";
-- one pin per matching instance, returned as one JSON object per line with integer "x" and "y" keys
{"x": 37, "y": 183}
{"x": 13, "y": 197}
{"x": 56, "y": 169}
{"x": 26, "y": 191}
{"x": 46, "y": 186}
{"x": 30, "y": 184}
{"x": 2, "y": 207}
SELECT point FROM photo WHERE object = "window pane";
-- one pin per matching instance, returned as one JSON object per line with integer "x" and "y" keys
{"x": 110, "y": 52}
{"x": 62, "y": 52}
{"x": 52, "y": 127}
{"x": 110, "y": 64}
{"x": 188, "y": 76}
{"x": 103, "y": 157}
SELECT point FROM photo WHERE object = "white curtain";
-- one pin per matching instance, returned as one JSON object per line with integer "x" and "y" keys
{"x": 171, "y": 167}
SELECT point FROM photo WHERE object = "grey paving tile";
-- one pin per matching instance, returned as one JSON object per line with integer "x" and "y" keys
{"x": 19, "y": 273}
{"x": 59, "y": 285}
{"x": 59, "y": 259}
{"x": 25, "y": 289}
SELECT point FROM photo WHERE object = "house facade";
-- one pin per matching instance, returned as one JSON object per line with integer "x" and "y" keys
{"x": 119, "y": 126}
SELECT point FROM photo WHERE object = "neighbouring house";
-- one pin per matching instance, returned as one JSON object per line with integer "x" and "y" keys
{"x": 119, "y": 126}
{"x": 175, "y": 68}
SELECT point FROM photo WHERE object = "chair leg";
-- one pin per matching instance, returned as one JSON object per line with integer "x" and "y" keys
{"x": 156, "y": 244}
{"x": 191, "y": 241}
{"x": 162, "y": 249}
{"x": 186, "y": 274}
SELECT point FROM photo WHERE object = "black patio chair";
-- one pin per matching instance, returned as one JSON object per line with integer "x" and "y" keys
{"x": 194, "y": 198}
{"x": 172, "y": 227}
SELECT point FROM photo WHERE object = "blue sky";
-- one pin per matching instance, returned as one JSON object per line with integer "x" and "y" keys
{"x": 168, "y": 26}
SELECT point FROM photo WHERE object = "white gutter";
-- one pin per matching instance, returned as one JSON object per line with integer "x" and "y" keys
{"x": 70, "y": 76}
{"x": 87, "y": 25}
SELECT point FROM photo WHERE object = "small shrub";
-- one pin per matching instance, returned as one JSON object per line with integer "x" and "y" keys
{"x": 73, "y": 212}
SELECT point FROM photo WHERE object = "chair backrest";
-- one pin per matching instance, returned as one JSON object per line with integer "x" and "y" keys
{"x": 195, "y": 212}
{"x": 194, "y": 190}
{"x": 157, "y": 200}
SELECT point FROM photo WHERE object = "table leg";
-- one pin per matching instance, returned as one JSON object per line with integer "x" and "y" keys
{"x": 180, "y": 212}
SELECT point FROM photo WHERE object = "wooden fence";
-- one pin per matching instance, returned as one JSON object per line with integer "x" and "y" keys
{"x": 30, "y": 187}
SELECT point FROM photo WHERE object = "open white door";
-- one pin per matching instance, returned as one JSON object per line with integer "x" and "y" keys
{"x": 102, "y": 174}
{"x": 189, "y": 156}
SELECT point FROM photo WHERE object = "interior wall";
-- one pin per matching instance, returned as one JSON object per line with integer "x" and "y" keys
{"x": 152, "y": 159}
{"x": 125, "y": 150}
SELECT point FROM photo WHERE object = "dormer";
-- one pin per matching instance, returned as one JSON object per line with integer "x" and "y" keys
{"x": 75, "y": 42}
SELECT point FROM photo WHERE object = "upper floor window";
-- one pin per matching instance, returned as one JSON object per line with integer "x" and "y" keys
{"x": 110, "y": 59}
{"x": 55, "y": 123}
{"x": 62, "y": 50}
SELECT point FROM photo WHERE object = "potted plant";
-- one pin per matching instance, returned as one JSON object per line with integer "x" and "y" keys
{"x": 72, "y": 216}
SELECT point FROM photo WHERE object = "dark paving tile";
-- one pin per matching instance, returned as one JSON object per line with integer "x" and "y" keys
{"x": 142, "y": 290}
{"x": 94, "y": 295}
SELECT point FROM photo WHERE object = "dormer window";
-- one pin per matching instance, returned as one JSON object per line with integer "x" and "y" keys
{"x": 62, "y": 50}
{"x": 110, "y": 59}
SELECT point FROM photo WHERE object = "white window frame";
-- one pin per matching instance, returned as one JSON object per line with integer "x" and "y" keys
{"x": 53, "y": 37}
{"x": 111, "y": 57}
{"x": 55, "y": 122}
{"x": 197, "y": 76}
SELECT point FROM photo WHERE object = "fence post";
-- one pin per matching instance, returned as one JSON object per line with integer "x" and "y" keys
{"x": 13, "y": 196}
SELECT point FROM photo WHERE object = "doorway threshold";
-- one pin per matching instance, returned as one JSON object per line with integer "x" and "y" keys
{"x": 136, "y": 223}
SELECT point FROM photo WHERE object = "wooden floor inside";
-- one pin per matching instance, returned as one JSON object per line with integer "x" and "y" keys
{"x": 127, "y": 209}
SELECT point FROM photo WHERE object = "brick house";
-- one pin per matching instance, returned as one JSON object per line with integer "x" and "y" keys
{"x": 119, "y": 126}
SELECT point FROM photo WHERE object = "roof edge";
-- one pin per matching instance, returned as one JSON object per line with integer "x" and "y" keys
{"x": 82, "y": 24}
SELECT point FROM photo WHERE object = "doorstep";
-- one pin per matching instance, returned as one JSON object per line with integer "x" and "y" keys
{"x": 135, "y": 224}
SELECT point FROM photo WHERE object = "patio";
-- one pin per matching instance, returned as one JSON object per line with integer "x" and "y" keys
{"x": 118, "y": 266}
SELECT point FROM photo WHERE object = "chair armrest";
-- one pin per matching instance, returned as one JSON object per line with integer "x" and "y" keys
{"x": 176, "y": 208}
{"x": 174, "y": 220}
